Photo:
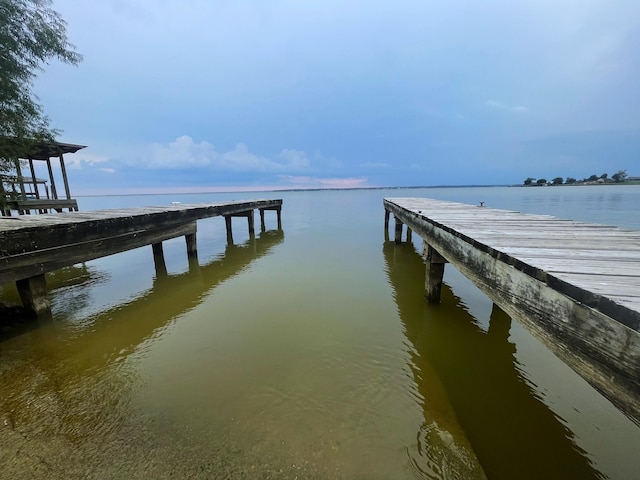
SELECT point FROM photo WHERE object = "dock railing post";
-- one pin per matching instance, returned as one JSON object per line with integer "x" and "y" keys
{"x": 409, "y": 235}
{"x": 33, "y": 293}
{"x": 279, "y": 213}
{"x": 434, "y": 272}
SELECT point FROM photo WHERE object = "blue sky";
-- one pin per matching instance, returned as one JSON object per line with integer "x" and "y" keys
{"x": 202, "y": 95}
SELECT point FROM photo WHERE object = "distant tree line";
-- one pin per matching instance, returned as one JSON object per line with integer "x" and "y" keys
{"x": 618, "y": 177}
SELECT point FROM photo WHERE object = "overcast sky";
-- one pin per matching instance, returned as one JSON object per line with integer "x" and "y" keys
{"x": 195, "y": 95}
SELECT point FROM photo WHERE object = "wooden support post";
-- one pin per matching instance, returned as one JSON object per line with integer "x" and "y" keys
{"x": 434, "y": 272}
{"x": 279, "y": 213}
{"x": 387, "y": 213}
{"x": 33, "y": 176}
{"x": 398, "y": 236}
{"x": 23, "y": 192}
{"x": 64, "y": 178}
{"x": 409, "y": 235}
{"x": 227, "y": 221}
{"x": 192, "y": 245}
{"x": 54, "y": 192}
{"x": 263, "y": 228}
{"x": 192, "y": 251}
{"x": 158, "y": 260}
{"x": 33, "y": 292}
{"x": 250, "y": 221}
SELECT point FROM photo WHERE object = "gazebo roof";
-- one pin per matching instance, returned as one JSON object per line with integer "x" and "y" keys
{"x": 44, "y": 151}
{"x": 38, "y": 150}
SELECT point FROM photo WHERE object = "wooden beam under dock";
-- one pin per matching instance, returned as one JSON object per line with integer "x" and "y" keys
{"x": 573, "y": 285}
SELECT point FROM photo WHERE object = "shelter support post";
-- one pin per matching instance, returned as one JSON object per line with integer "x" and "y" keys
{"x": 64, "y": 178}
{"x": 35, "y": 180}
{"x": 54, "y": 191}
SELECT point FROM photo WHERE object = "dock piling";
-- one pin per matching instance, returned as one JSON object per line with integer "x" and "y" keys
{"x": 277, "y": 209}
{"x": 33, "y": 293}
{"x": 434, "y": 272}
{"x": 227, "y": 221}
{"x": 251, "y": 222}
{"x": 158, "y": 259}
{"x": 263, "y": 228}
{"x": 398, "y": 229}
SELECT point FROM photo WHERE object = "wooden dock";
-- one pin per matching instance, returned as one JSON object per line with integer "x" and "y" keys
{"x": 32, "y": 245}
{"x": 574, "y": 285}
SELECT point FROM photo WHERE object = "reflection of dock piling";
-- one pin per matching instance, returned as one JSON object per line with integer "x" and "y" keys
{"x": 496, "y": 410}
{"x": 573, "y": 285}
{"x": 31, "y": 246}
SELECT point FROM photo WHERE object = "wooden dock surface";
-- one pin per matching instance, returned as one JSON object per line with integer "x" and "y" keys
{"x": 574, "y": 285}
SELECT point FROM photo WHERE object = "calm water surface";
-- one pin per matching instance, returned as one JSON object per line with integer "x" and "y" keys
{"x": 305, "y": 353}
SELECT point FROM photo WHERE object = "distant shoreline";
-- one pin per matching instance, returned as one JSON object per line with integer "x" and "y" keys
{"x": 319, "y": 189}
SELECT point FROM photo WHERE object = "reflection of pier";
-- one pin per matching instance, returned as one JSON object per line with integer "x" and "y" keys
{"x": 512, "y": 432}
{"x": 33, "y": 245}
{"x": 171, "y": 296}
{"x": 573, "y": 285}
{"x": 79, "y": 389}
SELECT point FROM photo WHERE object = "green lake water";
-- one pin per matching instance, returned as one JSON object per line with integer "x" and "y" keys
{"x": 305, "y": 353}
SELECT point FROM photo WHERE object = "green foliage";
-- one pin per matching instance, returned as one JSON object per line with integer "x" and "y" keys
{"x": 620, "y": 176}
{"x": 570, "y": 180}
{"x": 557, "y": 181}
{"x": 592, "y": 178}
{"x": 31, "y": 34}
{"x": 604, "y": 176}
{"x": 541, "y": 181}
{"x": 528, "y": 181}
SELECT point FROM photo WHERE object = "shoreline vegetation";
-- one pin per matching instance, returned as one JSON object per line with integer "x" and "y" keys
{"x": 620, "y": 177}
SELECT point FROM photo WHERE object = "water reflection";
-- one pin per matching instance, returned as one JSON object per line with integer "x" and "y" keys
{"x": 65, "y": 392}
{"x": 511, "y": 430}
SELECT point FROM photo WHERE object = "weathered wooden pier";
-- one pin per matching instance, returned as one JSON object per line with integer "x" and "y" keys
{"x": 574, "y": 285}
{"x": 32, "y": 245}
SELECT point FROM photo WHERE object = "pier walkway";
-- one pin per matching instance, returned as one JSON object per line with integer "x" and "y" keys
{"x": 32, "y": 245}
{"x": 574, "y": 285}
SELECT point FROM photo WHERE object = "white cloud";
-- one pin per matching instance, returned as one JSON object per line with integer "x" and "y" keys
{"x": 295, "y": 158}
{"x": 507, "y": 108}
{"x": 319, "y": 182}
{"x": 375, "y": 165}
{"x": 107, "y": 170}
{"x": 75, "y": 161}
{"x": 184, "y": 152}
